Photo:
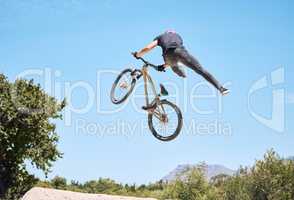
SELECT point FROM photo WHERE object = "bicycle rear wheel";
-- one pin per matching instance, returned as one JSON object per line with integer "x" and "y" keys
{"x": 166, "y": 121}
{"x": 122, "y": 86}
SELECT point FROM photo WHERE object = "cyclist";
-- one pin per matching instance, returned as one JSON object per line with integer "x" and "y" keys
{"x": 173, "y": 53}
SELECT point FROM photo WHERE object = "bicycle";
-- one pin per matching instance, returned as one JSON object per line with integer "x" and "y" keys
{"x": 159, "y": 111}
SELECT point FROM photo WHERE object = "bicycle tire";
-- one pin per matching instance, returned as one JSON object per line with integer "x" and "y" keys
{"x": 177, "y": 130}
{"x": 114, "y": 86}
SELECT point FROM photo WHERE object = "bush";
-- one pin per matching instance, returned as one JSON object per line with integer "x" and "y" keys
{"x": 269, "y": 179}
{"x": 59, "y": 183}
{"x": 192, "y": 187}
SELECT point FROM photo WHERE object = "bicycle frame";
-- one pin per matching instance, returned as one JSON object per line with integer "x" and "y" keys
{"x": 147, "y": 78}
{"x": 159, "y": 114}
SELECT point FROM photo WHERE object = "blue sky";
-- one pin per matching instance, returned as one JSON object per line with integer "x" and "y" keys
{"x": 237, "y": 41}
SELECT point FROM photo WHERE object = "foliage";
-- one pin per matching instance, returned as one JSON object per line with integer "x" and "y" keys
{"x": 193, "y": 186}
{"x": 59, "y": 183}
{"x": 269, "y": 179}
{"x": 273, "y": 178}
{"x": 26, "y": 134}
{"x": 102, "y": 185}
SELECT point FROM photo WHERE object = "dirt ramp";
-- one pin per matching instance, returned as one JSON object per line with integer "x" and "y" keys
{"x": 51, "y": 194}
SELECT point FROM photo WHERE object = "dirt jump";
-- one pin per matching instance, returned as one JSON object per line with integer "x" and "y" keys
{"x": 51, "y": 194}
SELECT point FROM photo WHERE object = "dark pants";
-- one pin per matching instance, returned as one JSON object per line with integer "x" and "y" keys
{"x": 173, "y": 56}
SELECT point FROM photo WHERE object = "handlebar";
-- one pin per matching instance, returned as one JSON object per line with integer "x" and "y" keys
{"x": 145, "y": 61}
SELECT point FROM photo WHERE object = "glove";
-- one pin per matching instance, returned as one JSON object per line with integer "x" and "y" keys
{"x": 161, "y": 68}
{"x": 135, "y": 55}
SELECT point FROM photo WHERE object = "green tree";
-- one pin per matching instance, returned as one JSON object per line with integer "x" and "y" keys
{"x": 269, "y": 179}
{"x": 191, "y": 186}
{"x": 273, "y": 178}
{"x": 26, "y": 134}
{"x": 59, "y": 183}
{"x": 237, "y": 186}
{"x": 103, "y": 185}
{"x": 159, "y": 185}
{"x": 75, "y": 186}
{"x": 219, "y": 180}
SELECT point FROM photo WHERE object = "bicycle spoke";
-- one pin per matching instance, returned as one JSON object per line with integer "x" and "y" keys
{"x": 165, "y": 120}
{"x": 124, "y": 85}
{"x": 157, "y": 115}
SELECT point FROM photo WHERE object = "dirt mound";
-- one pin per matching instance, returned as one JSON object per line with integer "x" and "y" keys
{"x": 51, "y": 194}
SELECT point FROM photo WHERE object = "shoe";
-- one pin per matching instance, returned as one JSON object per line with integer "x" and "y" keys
{"x": 224, "y": 91}
{"x": 163, "y": 91}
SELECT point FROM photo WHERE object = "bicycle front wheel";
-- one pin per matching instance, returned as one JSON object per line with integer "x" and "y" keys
{"x": 122, "y": 86}
{"x": 166, "y": 121}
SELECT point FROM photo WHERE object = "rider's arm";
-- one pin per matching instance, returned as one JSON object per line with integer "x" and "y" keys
{"x": 147, "y": 48}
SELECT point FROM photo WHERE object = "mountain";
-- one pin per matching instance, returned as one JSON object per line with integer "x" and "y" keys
{"x": 209, "y": 171}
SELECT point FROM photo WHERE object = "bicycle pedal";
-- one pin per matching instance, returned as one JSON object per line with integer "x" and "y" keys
{"x": 149, "y": 107}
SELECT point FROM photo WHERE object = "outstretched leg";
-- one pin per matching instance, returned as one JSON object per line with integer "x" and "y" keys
{"x": 193, "y": 63}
